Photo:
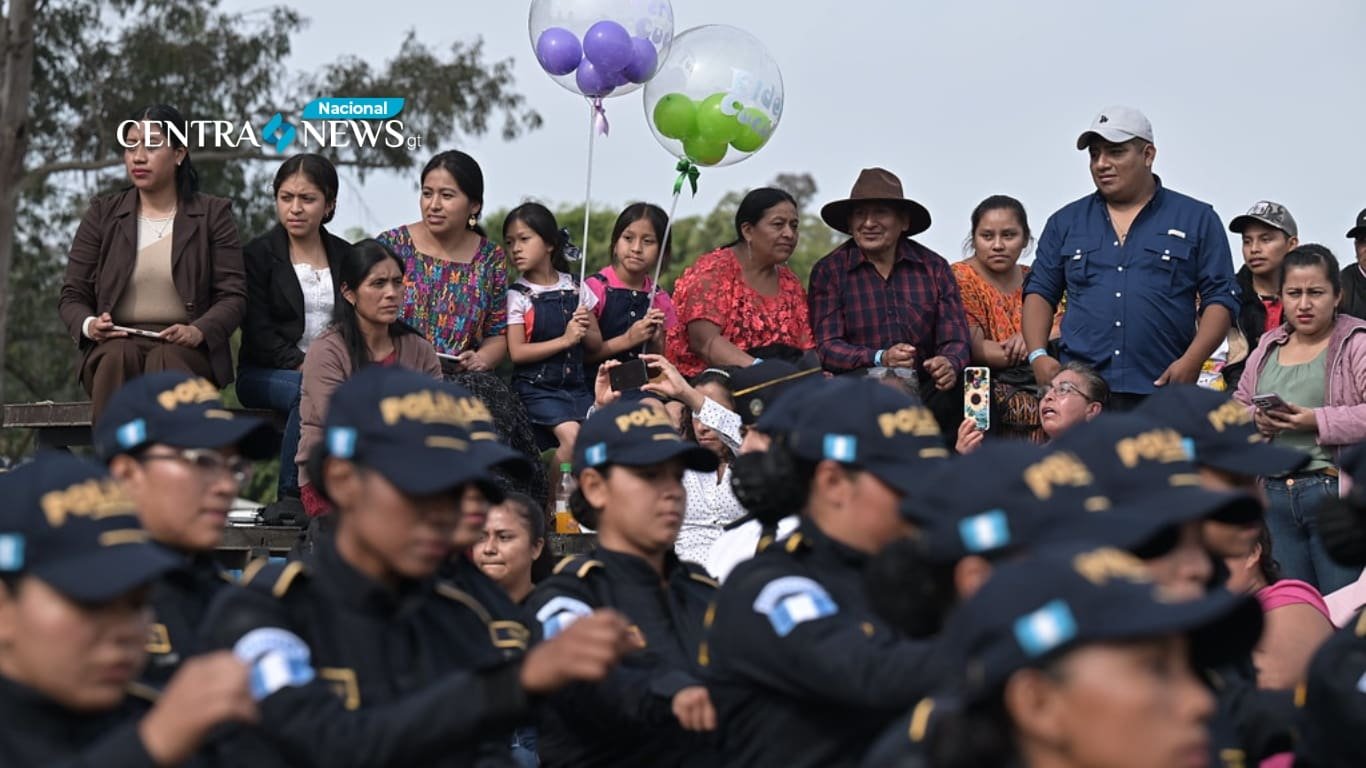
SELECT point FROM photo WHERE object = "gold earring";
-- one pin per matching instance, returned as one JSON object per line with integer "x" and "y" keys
{"x": 473, "y": 221}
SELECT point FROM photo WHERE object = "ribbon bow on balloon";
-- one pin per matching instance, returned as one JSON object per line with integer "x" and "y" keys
{"x": 686, "y": 171}
{"x": 600, "y": 116}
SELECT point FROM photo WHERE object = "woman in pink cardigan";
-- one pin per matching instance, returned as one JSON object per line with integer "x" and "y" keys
{"x": 1316, "y": 364}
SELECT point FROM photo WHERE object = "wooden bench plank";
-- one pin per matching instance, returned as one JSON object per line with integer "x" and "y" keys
{"x": 60, "y": 425}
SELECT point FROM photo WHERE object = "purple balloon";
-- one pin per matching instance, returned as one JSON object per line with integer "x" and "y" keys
{"x": 558, "y": 51}
{"x": 593, "y": 81}
{"x": 644, "y": 57}
{"x": 608, "y": 45}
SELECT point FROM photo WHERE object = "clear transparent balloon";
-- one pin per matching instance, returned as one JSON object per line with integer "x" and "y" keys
{"x": 601, "y": 48}
{"x": 717, "y": 99}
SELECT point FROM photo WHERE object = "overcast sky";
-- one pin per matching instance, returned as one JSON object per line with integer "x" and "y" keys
{"x": 1249, "y": 99}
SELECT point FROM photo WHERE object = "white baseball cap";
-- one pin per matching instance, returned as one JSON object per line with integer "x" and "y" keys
{"x": 1117, "y": 124}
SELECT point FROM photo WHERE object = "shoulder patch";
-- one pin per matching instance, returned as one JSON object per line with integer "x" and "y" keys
{"x": 577, "y": 565}
{"x": 791, "y": 600}
{"x": 560, "y": 612}
{"x": 278, "y": 659}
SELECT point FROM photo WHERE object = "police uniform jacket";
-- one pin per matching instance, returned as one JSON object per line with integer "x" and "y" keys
{"x": 627, "y": 719}
{"x": 39, "y": 732}
{"x": 385, "y": 677}
{"x": 179, "y": 601}
{"x": 802, "y": 671}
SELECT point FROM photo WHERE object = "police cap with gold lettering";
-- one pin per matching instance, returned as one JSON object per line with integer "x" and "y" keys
{"x": 756, "y": 387}
{"x": 1146, "y": 468}
{"x": 414, "y": 430}
{"x": 1009, "y": 497}
{"x": 177, "y": 409}
{"x": 67, "y": 522}
{"x": 1037, "y": 608}
{"x": 1221, "y": 431}
{"x": 635, "y": 434}
{"x": 863, "y": 423}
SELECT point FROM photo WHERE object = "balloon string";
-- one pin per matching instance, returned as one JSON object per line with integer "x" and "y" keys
{"x": 593, "y": 110}
{"x": 659, "y": 263}
{"x": 600, "y": 116}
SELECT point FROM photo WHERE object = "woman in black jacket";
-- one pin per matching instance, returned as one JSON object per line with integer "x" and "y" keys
{"x": 290, "y": 295}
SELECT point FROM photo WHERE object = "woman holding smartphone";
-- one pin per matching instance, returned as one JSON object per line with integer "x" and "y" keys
{"x": 1306, "y": 385}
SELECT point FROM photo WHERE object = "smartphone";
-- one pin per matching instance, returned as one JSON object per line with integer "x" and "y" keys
{"x": 137, "y": 332}
{"x": 1269, "y": 402}
{"x": 631, "y": 374}
{"x": 444, "y": 356}
{"x": 977, "y": 396}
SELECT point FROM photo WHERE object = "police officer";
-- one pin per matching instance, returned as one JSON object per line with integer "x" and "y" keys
{"x": 1076, "y": 658}
{"x": 629, "y": 461}
{"x": 74, "y": 571}
{"x": 182, "y": 457}
{"x": 802, "y": 671}
{"x": 361, "y": 657}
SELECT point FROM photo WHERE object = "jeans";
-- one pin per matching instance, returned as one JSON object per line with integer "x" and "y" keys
{"x": 1292, "y": 520}
{"x": 277, "y": 390}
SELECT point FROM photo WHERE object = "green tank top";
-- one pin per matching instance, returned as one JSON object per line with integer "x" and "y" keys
{"x": 1302, "y": 385}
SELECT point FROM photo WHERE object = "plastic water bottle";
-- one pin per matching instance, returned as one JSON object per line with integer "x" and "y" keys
{"x": 564, "y": 520}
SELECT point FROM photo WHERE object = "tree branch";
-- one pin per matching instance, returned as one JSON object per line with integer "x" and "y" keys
{"x": 34, "y": 175}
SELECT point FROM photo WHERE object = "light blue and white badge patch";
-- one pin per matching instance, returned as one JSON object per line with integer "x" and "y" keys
{"x": 792, "y": 600}
{"x": 841, "y": 448}
{"x": 11, "y": 552}
{"x": 341, "y": 442}
{"x": 1045, "y": 629}
{"x": 557, "y": 614}
{"x": 132, "y": 434}
{"x": 278, "y": 658}
{"x": 985, "y": 532}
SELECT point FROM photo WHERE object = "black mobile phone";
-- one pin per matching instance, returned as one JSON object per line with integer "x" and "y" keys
{"x": 632, "y": 374}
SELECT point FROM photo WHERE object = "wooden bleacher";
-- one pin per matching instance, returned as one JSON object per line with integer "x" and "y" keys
{"x": 63, "y": 425}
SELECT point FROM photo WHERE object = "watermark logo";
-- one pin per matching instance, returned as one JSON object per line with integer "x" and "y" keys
{"x": 279, "y": 132}
{"x": 324, "y": 123}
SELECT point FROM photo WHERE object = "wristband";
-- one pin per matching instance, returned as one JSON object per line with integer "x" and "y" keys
{"x": 877, "y": 358}
{"x": 1036, "y": 354}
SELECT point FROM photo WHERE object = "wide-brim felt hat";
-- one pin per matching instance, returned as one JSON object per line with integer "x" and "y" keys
{"x": 876, "y": 185}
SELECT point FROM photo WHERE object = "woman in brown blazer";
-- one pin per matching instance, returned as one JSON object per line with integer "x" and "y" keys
{"x": 160, "y": 258}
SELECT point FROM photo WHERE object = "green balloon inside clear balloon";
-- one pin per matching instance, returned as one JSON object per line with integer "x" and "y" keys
{"x": 755, "y": 128}
{"x": 704, "y": 151}
{"x": 713, "y": 122}
{"x": 675, "y": 116}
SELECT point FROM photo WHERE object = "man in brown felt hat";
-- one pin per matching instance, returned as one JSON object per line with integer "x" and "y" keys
{"x": 881, "y": 299}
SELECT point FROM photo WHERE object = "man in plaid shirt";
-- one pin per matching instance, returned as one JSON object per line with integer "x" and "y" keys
{"x": 882, "y": 299}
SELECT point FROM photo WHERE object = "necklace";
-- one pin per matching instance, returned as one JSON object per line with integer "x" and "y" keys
{"x": 166, "y": 224}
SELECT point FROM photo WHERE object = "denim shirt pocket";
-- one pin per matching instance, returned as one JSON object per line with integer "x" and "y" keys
{"x": 1175, "y": 260}
{"x": 1079, "y": 262}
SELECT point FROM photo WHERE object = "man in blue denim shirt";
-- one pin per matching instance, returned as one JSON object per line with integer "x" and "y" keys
{"x": 1147, "y": 271}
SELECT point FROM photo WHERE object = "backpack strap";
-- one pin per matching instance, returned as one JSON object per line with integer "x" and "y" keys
{"x": 522, "y": 289}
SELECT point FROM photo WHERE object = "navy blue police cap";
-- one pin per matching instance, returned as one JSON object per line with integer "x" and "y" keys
{"x": 782, "y": 407}
{"x": 1333, "y": 725}
{"x": 1147, "y": 469}
{"x": 486, "y": 439}
{"x": 1007, "y": 497}
{"x": 1034, "y": 609}
{"x": 863, "y": 423}
{"x": 414, "y": 430}
{"x": 177, "y": 409}
{"x": 757, "y": 387}
{"x": 68, "y": 523}
{"x": 636, "y": 434}
{"x": 1221, "y": 431}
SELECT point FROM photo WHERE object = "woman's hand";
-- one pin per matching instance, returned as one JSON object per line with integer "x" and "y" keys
{"x": 603, "y": 394}
{"x": 470, "y": 360}
{"x": 1293, "y": 418}
{"x": 969, "y": 437}
{"x": 1015, "y": 350}
{"x": 1262, "y": 419}
{"x": 672, "y": 384}
{"x": 183, "y": 335}
{"x": 103, "y": 329}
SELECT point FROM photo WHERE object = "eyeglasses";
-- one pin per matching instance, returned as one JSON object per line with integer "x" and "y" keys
{"x": 208, "y": 461}
{"x": 1063, "y": 389}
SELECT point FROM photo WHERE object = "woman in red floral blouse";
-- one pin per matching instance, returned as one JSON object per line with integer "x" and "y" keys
{"x": 741, "y": 296}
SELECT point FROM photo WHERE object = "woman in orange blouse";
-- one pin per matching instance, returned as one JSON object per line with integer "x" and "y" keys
{"x": 991, "y": 280}
{"x": 742, "y": 296}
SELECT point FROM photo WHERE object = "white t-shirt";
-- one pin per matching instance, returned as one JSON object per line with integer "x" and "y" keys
{"x": 519, "y": 303}
{"x": 316, "y": 285}
{"x": 738, "y": 544}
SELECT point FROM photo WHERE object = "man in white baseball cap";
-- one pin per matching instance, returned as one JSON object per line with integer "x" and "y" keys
{"x": 1136, "y": 260}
